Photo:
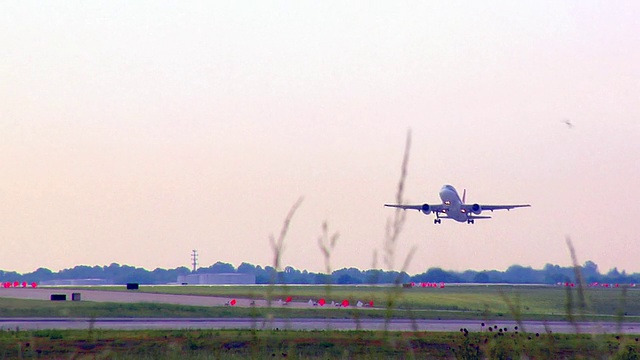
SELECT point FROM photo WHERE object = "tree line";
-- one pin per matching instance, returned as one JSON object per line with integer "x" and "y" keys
{"x": 515, "y": 274}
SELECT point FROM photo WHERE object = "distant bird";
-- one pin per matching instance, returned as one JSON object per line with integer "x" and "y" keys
{"x": 568, "y": 123}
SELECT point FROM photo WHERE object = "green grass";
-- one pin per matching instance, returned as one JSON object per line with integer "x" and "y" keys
{"x": 453, "y": 302}
{"x": 39, "y": 308}
{"x": 237, "y": 344}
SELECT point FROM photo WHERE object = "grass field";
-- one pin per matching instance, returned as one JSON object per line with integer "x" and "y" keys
{"x": 234, "y": 344}
{"x": 453, "y": 302}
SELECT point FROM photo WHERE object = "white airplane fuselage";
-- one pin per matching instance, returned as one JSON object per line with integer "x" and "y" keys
{"x": 452, "y": 204}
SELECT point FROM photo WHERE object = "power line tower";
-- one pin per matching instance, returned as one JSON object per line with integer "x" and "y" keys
{"x": 194, "y": 259}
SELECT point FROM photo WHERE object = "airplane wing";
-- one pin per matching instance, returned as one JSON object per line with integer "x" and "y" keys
{"x": 499, "y": 207}
{"x": 432, "y": 208}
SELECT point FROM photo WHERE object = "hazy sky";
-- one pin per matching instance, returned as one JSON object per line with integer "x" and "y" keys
{"x": 134, "y": 132}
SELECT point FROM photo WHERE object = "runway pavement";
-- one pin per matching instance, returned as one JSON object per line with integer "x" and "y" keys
{"x": 531, "y": 327}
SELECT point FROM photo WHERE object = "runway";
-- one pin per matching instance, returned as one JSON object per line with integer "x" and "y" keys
{"x": 303, "y": 324}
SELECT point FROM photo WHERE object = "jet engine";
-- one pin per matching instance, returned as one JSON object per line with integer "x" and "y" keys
{"x": 476, "y": 209}
{"x": 426, "y": 209}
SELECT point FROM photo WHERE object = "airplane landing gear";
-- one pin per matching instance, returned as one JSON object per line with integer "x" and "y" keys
{"x": 470, "y": 221}
{"x": 437, "y": 221}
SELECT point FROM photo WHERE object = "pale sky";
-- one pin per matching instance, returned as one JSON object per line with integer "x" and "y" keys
{"x": 134, "y": 132}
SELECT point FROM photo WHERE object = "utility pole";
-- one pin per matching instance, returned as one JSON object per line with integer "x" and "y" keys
{"x": 194, "y": 259}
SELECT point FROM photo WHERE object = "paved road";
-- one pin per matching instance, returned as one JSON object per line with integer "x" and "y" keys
{"x": 312, "y": 324}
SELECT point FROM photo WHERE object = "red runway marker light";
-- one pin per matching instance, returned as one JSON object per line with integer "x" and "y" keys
{"x": 345, "y": 303}
{"x": 24, "y": 284}
{"x": 288, "y": 299}
{"x": 16, "y": 283}
{"x": 321, "y": 302}
{"x": 371, "y": 303}
{"x": 232, "y": 302}
{"x": 34, "y": 285}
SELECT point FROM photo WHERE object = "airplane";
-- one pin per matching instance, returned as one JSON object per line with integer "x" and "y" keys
{"x": 452, "y": 207}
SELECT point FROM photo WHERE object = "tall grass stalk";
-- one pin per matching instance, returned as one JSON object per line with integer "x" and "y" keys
{"x": 514, "y": 309}
{"x": 394, "y": 225}
{"x": 393, "y": 229}
{"x": 580, "y": 283}
{"x": 327, "y": 243}
{"x": 277, "y": 246}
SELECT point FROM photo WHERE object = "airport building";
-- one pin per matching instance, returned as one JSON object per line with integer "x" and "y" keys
{"x": 217, "y": 279}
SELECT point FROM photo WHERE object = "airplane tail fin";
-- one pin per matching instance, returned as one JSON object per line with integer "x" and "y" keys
{"x": 464, "y": 196}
